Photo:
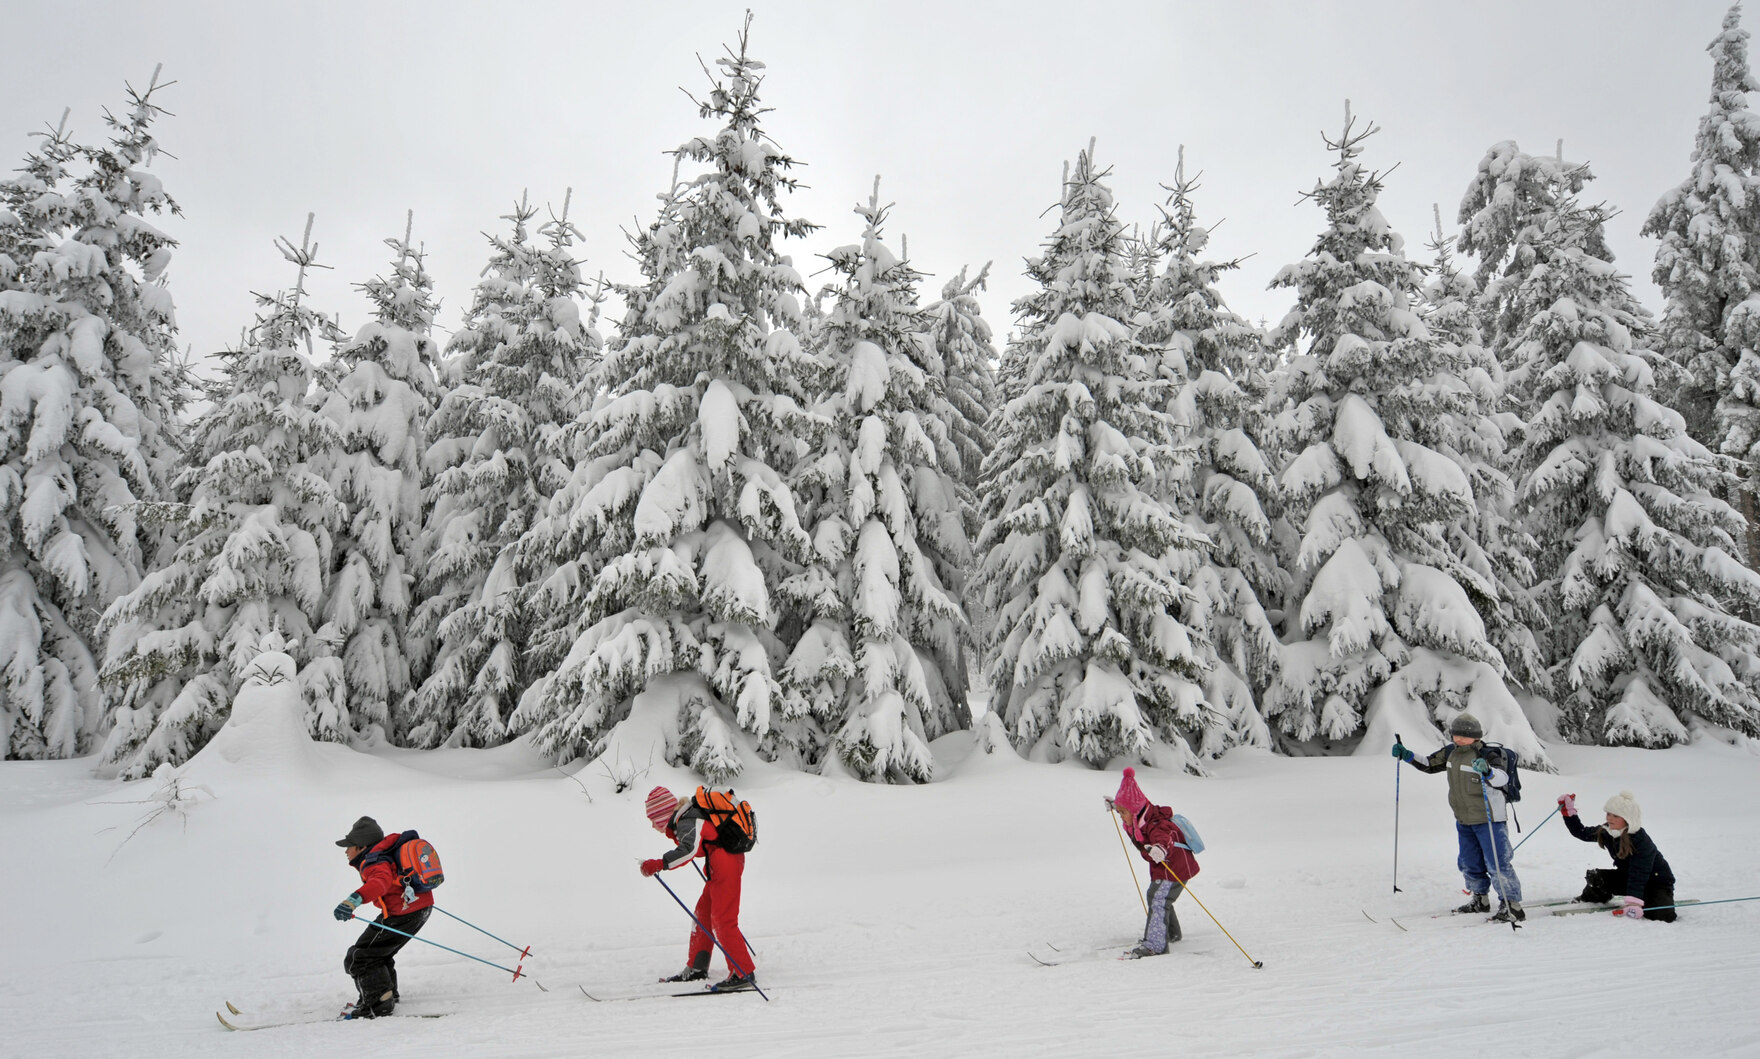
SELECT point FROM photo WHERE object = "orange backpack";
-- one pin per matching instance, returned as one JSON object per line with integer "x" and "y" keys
{"x": 736, "y": 826}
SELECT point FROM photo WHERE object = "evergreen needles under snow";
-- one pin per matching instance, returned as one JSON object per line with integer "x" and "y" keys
{"x": 88, "y": 396}
{"x": 882, "y": 665}
{"x": 684, "y": 490}
{"x": 380, "y": 405}
{"x": 253, "y": 545}
{"x": 1093, "y": 651}
{"x": 1378, "y": 411}
{"x": 515, "y": 373}
{"x": 1637, "y": 556}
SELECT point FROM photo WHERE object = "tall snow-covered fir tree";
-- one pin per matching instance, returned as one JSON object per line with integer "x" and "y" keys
{"x": 684, "y": 494}
{"x": 882, "y": 666}
{"x": 1493, "y": 543}
{"x": 1215, "y": 363}
{"x": 253, "y": 552}
{"x": 968, "y": 354}
{"x": 1382, "y": 628}
{"x": 89, "y": 385}
{"x": 1708, "y": 266}
{"x": 1637, "y": 556}
{"x": 1093, "y": 653}
{"x": 515, "y": 371}
{"x": 381, "y": 401}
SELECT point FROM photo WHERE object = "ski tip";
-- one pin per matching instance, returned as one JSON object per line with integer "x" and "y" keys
{"x": 588, "y": 995}
{"x": 233, "y": 1008}
{"x": 223, "y": 1021}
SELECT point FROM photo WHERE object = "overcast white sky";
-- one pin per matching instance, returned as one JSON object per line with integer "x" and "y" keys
{"x": 359, "y": 111}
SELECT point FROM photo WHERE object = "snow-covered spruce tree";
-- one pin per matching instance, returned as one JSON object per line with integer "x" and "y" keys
{"x": 515, "y": 368}
{"x": 253, "y": 551}
{"x": 1636, "y": 561}
{"x": 883, "y": 663}
{"x": 1093, "y": 653}
{"x": 1708, "y": 266}
{"x": 685, "y": 493}
{"x": 1493, "y": 543}
{"x": 968, "y": 354}
{"x": 383, "y": 396}
{"x": 1215, "y": 363}
{"x": 1382, "y": 629}
{"x": 88, "y": 387}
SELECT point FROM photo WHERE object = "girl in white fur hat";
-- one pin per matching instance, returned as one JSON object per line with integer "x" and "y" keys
{"x": 1640, "y": 878}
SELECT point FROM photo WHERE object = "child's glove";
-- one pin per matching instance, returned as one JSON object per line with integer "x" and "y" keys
{"x": 1633, "y": 909}
{"x": 1156, "y": 854}
{"x": 651, "y": 867}
{"x": 345, "y": 910}
{"x": 1107, "y": 798}
{"x": 1481, "y": 766}
{"x": 1399, "y": 751}
{"x": 1567, "y": 804}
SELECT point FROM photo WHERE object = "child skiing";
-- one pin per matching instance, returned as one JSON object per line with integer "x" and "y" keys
{"x": 1171, "y": 865}
{"x": 690, "y": 826}
{"x": 1475, "y": 793}
{"x": 1640, "y": 876}
{"x": 371, "y": 960}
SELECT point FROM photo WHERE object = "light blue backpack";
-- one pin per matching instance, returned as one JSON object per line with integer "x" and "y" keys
{"x": 1192, "y": 843}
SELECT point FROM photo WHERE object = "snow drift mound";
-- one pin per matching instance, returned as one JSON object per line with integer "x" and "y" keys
{"x": 266, "y": 732}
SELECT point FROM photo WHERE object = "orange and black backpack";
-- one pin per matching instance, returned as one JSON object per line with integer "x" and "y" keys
{"x": 736, "y": 826}
{"x": 416, "y": 863}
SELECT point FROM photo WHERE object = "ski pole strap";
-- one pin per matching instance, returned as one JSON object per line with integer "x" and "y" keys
{"x": 523, "y": 950}
{"x": 712, "y": 938}
{"x": 1128, "y": 862}
{"x": 1531, "y": 834}
{"x": 517, "y": 975}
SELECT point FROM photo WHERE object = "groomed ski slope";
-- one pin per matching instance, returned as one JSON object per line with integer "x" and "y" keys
{"x": 887, "y": 921}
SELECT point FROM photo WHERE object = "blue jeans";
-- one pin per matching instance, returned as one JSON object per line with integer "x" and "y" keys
{"x": 1483, "y": 863}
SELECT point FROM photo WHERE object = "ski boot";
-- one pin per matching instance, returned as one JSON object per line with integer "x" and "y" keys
{"x": 735, "y": 983}
{"x": 1476, "y": 903}
{"x": 1509, "y": 912}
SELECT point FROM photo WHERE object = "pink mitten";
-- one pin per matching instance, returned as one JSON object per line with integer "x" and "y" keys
{"x": 1633, "y": 909}
{"x": 1567, "y": 804}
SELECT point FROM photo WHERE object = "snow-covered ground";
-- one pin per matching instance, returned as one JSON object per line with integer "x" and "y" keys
{"x": 886, "y": 920}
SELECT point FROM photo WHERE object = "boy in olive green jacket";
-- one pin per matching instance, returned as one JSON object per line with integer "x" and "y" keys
{"x": 1475, "y": 793}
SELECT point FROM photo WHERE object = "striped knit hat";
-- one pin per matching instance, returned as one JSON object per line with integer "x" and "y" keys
{"x": 660, "y": 805}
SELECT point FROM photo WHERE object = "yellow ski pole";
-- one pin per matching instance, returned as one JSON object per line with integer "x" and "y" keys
{"x": 1256, "y": 964}
{"x": 1127, "y": 860}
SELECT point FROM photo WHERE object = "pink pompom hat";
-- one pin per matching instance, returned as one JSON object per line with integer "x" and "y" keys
{"x": 1130, "y": 797}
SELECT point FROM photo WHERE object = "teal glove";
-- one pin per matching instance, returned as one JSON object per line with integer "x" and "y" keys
{"x": 345, "y": 910}
{"x": 1401, "y": 752}
{"x": 1481, "y": 766}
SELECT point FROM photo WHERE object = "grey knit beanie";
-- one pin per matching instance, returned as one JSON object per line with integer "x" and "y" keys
{"x": 1465, "y": 723}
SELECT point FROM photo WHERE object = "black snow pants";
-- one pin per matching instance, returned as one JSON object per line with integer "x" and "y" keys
{"x": 371, "y": 961}
{"x": 1599, "y": 883}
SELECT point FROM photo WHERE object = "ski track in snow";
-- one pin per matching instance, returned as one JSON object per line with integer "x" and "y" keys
{"x": 886, "y": 921}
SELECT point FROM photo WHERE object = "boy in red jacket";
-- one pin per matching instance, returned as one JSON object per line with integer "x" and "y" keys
{"x": 1160, "y": 842}
{"x": 371, "y": 960}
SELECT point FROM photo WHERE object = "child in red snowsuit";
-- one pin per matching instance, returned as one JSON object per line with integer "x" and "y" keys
{"x": 681, "y": 820}
{"x": 1171, "y": 865}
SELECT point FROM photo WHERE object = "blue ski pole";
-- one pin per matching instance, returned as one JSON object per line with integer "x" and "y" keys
{"x": 1697, "y": 904}
{"x": 1491, "y": 833}
{"x": 711, "y": 936}
{"x": 517, "y": 974}
{"x": 705, "y": 877}
{"x": 525, "y": 951}
{"x": 1538, "y": 826}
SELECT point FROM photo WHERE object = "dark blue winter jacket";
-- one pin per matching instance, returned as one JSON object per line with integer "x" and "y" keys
{"x": 1643, "y": 868}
